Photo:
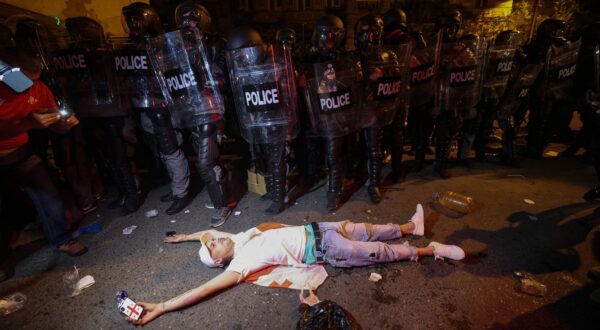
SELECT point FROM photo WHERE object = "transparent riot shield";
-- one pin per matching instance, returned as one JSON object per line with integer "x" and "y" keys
{"x": 85, "y": 77}
{"x": 518, "y": 90}
{"x": 134, "y": 76}
{"x": 181, "y": 64}
{"x": 461, "y": 73}
{"x": 264, "y": 91}
{"x": 385, "y": 84}
{"x": 332, "y": 95}
{"x": 561, "y": 64}
{"x": 423, "y": 65}
{"x": 498, "y": 65}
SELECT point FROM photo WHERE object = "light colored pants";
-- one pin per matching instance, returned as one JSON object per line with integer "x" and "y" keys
{"x": 348, "y": 244}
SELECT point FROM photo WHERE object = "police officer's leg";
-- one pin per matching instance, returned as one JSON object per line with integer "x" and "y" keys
{"x": 423, "y": 130}
{"x": 397, "y": 149}
{"x": 278, "y": 168}
{"x": 445, "y": 121}
{"x": 535, "y": 128}
{"x": 595, "y": 151}
{"x": 205, "y": 140}
{"x": 373, "y": 138}
{"x": 486, "y": 109}
{"x": 336, "y": 175}
{"x": 471, "y": 121}
{"x": 169, "y": 142}
{"x": 115, "y": 150}
{"x": 509, "y": 154}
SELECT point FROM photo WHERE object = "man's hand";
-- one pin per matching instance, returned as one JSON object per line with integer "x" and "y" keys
{"x": 176, "y": 238}
{"x": 44, "y": 120}
{"x": 63, "y": 126}
{"x": 151, "y": 311}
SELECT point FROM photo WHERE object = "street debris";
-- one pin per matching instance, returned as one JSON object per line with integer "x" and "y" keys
{"x": 208, "y": 206}
{"x": 186, "y": 211}
{"x": 310, "y": 300}
{"x": 528, "y": 201}
{"x": 455, "y": 201}
{"x": 129, "y": 230}
{"x": 374, "y": 277}
{"x": 151, "y": 214}
{"x": 516, "y": 176}
{"x": 75, "y": 284}
{"x": 533, "y": 218}
{"x": 551, "y": 153}
{"x": 526, "y": 284}
{"x": 12, "y": 303}
{"x": 236, "y": 213}
{"x": 92, "y": 228}
{"x": 173, "y": 221}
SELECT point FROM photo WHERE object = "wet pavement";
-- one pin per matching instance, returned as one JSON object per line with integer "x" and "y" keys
{"x": 556, "y": 240}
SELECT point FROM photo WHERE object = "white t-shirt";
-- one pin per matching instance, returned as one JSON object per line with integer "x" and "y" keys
{"x": 255, "y": 249}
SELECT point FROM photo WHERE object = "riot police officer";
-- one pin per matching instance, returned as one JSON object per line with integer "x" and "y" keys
{"x": 445, "y": 121}
{"x": 148, "y": 105}
{"x": 549, "y": 103}
{"x": 207, "y": 128}
{"x": 384, "y": 84}
{"x": 499, "y": 63}
{"x": 395, "y": 34}
{"x": 263, "y": 81}
{"x": 588, "y": 87}
{"x": 332, "y": 93}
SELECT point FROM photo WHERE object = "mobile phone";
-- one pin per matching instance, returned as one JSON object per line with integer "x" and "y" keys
{"x": 64, "y": 114}
{"x": 170, "y": 233}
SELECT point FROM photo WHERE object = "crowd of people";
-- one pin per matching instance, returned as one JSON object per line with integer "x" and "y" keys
{"x": 98, "y": 105}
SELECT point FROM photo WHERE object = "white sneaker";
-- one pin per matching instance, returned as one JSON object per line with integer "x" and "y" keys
{"x": 441, "y": 251}
{"x": 419, "y": 220}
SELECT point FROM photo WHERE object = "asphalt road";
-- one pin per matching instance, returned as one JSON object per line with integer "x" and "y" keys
{"x": 556, "y": 240}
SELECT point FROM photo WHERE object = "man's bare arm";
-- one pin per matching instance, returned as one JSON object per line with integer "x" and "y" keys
{"x": 12, "y": 128}
{"x": 221, "y": 282}
{"x": 195, "y": 237}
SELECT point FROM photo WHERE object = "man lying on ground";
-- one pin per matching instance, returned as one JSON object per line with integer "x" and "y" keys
{"x": 341, "y": 244}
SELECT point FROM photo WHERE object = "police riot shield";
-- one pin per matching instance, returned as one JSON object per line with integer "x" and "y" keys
{"x": 181, "y": 64}
{"x": 134, "y": 76}
{"x": 462, "y": 63}
{"x": 518, "y": 90}
{"x": 264, "y": 92}
{"x": 423, "y": 65}
{"x": 385, "y": 84}
{"x": 561, "y": 63}
{"x": 498, "y": 65}
{"x": 332, "y": 95}
{"x": 85, "y": 77}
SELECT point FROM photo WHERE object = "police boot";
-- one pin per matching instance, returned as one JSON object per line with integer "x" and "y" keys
{"x": 132, "y": 194}
{"x": 442, "y": 151}
{"x": 374, "y": 138}
{"x": 278, "y": 189}
{"x": 269, "y": 187}
{"x": 510, "y": 151}
{"x": 419, "y": 158}
{"x": 334, "y": 194}
{"x": 374, "y": 180}
{"x": 120, "y": 200}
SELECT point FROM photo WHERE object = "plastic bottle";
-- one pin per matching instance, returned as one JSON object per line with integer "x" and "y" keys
{"x": 455, "y": 201}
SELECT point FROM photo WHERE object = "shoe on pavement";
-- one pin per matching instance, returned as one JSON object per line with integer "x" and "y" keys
{"x": 179, "y": 203}
{"x": 89, "y": 208}
{"x": 220, "y": 216}
{"x": 419, "y": 220}
{"x": 72, "y": 248}
{"x": 441, "y": 251}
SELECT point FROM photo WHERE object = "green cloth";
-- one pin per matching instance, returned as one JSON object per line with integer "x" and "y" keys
{"x": 310, "y": 251}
